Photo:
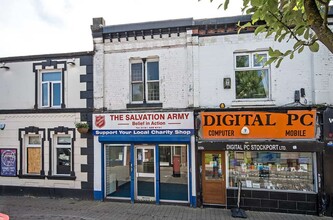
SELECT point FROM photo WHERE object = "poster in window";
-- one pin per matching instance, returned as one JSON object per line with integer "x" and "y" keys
{"x": 8, "y": 162}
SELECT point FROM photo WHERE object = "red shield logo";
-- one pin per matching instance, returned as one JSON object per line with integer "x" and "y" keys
{"x": 99, "y": 121}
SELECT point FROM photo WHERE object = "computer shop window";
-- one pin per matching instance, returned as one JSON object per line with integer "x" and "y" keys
{"x": 63, "y": 155}
{"x": 145, "y": 81}
{"x": 33, "y": 155}
{"x": 287, "y": 171}
{"x": 51, "y": 89}
{"x": 251, "y": 76}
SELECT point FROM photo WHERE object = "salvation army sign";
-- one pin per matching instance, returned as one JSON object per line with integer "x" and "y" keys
{"x": 151, "y": 123}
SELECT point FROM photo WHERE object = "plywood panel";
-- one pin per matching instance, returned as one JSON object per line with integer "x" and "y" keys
{"x": 34, "y": 160}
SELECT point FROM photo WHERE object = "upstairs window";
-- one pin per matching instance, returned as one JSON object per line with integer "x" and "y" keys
{"x": 51, "y": 87}
{"x": 145, "y": 81}
{"x": 252, "y": 77}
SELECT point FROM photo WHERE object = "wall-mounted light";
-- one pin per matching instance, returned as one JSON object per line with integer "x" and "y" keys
{"x": 226, "y": 83}
{"x": 71, "y": 62}
{"x": 2, "y": 126}
{"x": 3, "y": 66}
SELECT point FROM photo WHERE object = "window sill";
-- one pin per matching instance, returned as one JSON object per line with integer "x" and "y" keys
{"x": 144, "y": 105}
{"x": 61, "y": 177}
{"x": 252, "y": 103}
{"x": 274, "y": 190}
{"x": 27, "y": 176}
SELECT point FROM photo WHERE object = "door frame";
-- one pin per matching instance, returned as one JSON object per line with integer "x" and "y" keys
{"x": 137, "y": 174}
{"x": 224, "y": 168}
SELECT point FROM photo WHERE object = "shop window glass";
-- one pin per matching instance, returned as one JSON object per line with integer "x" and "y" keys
{"x": 213, "y": 167}
{"x": 173, "y": 172}
{"x": 272, "y": 170}
{"x": 118, "y": 175}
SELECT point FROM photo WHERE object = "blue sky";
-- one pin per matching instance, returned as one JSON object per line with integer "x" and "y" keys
{"x": 30, "y": 27}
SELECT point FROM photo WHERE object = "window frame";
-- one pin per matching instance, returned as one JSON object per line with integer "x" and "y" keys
{"x": 136, "y": 82}
{"x": 56, "y": 146}
{"x": 27, "y": 145}
{"x": 145, "y": 82}
{"x": 50, "y": 86}
{"x": 252, "y": 67}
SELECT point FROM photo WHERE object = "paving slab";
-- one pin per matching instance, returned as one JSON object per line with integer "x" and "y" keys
{"x": 71, "y": 209}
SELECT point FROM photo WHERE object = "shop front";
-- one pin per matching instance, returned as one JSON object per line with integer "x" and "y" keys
{"x": 146, "y": 156}
{"x": 272, "y": 155}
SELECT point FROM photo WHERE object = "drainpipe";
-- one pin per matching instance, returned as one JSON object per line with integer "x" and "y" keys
{"x": 313, "y": 83}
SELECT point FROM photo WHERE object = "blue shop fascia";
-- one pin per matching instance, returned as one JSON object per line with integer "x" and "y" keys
{"x": 146, "y": 156}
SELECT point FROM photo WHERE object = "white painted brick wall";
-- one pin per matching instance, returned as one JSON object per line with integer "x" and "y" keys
{"x": 175, "y": 74}
{"x": 323, "y": 76}
{"x": 18, "y": 86}
{"x": 9, "y": 139}
{"x": 192, "y": 71}
{"x": 313, "y": 72}
{"x": 98, "y": 73}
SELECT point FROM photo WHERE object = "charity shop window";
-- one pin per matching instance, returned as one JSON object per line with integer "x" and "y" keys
{"x": 63, "y": 155}
{"x": 251, "y": 76}
{"x": 287, "y": 171}
{"x": 33, "y": 154}
{"x": 51, "y": 89}
{"x": 145, "y": 80}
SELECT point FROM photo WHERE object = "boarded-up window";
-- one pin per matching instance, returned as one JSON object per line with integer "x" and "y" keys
{"x": 33, "y": 160}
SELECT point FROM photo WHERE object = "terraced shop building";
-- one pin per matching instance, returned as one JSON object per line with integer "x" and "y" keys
{"x": 272, "y": 154}
{"x": 145, "y": 72}
{"x": 42, "y": 98}
{"x": 143, "y": 122}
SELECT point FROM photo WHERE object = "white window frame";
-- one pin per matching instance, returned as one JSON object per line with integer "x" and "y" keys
{"x": 152, "y": 81}
{"x": 50, "y": 100}
{"x": 253, "y": 67}
{"x": 55, "y": 156}
{"x": 145, "y": 81}
{"x": 136, "y": 82}
{"x": 25, "y": 153}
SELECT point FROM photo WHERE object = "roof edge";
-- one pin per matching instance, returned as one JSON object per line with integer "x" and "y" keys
{"x": 46, "y": 56}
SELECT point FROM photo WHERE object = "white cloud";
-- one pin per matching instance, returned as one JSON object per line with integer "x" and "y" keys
{"x": 31, "y": 27}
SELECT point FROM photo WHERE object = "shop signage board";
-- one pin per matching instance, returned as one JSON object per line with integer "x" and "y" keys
{"x": 8, "y": 162}
{"x": 272, "y": 146}
{"x": 151, "y": 123}
{"x": 292, "y": 124}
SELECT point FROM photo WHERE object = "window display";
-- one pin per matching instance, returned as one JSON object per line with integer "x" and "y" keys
{"x": 272, "y": 170}
{"x": 173, "y": 172}
{"x": 117, "y": 162}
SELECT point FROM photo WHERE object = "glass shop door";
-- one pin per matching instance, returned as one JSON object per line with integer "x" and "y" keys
{"x": 145, "y": 173}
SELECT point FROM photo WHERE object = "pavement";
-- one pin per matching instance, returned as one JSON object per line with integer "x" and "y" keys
{"x": 73, "y": 209}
